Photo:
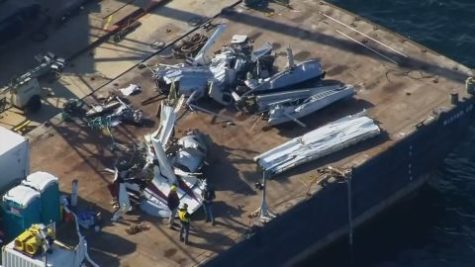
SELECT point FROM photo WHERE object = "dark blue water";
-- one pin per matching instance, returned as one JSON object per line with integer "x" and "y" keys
{"x": 437, "y": 226}
{"x": 447, "y": 26}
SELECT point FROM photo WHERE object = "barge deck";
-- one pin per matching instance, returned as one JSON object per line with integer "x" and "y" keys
{"x": 402, "y": 85}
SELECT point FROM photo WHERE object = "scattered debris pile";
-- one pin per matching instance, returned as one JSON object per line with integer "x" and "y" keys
{"x": 146, "y": 176}
{"x": 241, "y": 75}
{"x": 112, "y": 111}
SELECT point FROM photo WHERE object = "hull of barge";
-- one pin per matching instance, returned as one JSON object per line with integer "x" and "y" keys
{"x": 376, "y": 185}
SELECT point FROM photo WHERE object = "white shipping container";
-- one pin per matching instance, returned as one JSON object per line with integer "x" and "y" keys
{"x": 14, "y": 158}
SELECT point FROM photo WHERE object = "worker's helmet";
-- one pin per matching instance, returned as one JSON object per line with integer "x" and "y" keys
{"x": 173, "y": 187}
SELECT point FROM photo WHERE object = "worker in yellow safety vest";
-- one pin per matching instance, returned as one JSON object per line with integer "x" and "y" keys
{"x": 184, "y": 217}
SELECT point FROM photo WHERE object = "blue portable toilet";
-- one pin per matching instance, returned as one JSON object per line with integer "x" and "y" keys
{"x": 47, "y": 185}
{"x": 22, "y": 208}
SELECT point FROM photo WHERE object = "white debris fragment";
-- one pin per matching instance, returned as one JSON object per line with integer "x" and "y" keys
{"x": 238, "y": 39}
{"x": 287, "y": 110}
{"x": 318, "y": 143}
{"x": 202, "y": 57}
{"x": 131, "y": 89}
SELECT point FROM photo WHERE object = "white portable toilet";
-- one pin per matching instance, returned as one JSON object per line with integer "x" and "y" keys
{"x": 47, "y": 185}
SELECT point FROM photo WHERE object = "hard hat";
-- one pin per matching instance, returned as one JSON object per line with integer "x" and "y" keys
{"x": 173, "y": 187}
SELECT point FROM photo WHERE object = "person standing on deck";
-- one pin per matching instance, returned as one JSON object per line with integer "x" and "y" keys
{"x": 173, "y": 202}
{"x": 74, "y": 193}
{"x": 184, "y": 217}
{"x": 208, "y": 196}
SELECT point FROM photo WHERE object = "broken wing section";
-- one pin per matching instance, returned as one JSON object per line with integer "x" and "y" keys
{"x": 318, "y": 143}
